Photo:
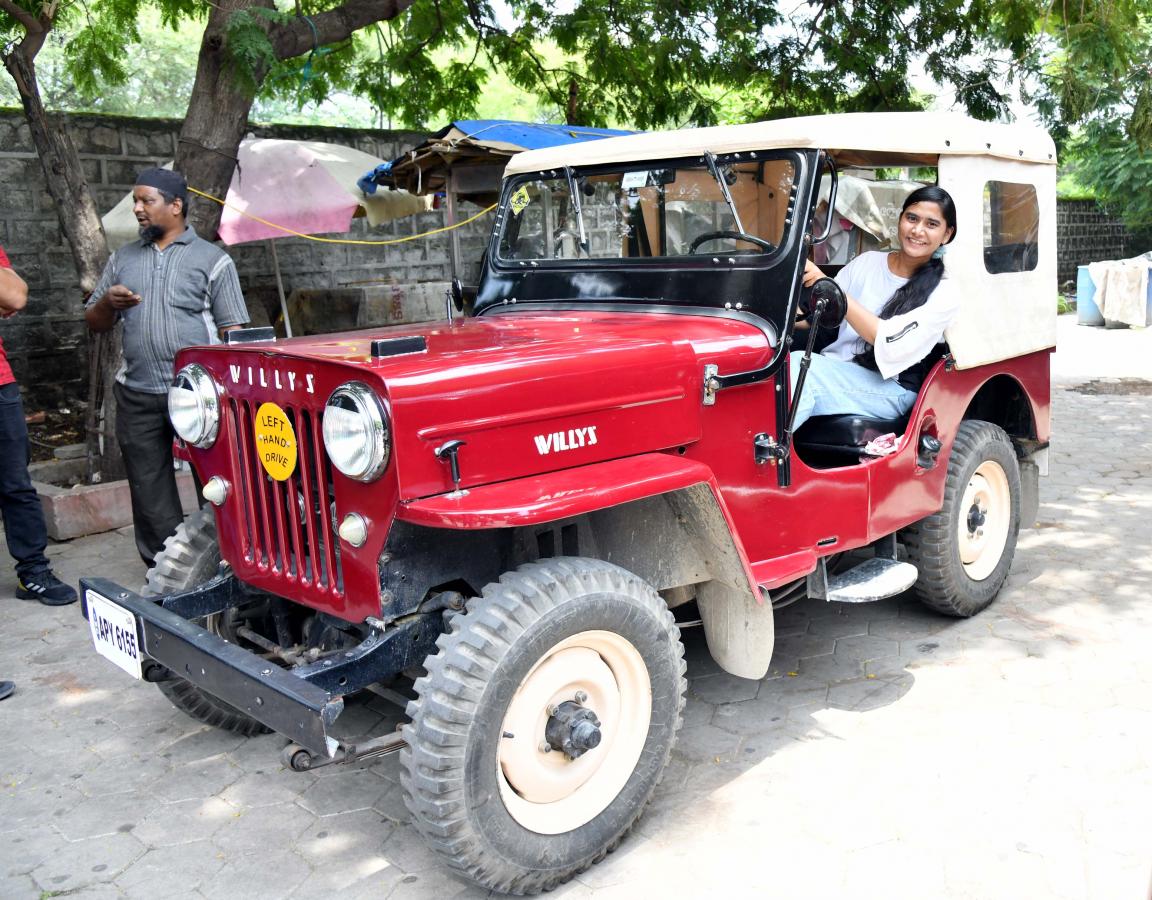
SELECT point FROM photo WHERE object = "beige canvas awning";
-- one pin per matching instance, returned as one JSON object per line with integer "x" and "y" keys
{"x": 852, "y": 138}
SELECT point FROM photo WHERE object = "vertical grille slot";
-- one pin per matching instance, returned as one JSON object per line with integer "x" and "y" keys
{"x": 286, "y": 525}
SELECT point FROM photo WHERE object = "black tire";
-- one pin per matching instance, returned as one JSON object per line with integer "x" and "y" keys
{"x": 522, "y": 635}
{"x": 982, "y": 472}
{"x": 190, "y": 557}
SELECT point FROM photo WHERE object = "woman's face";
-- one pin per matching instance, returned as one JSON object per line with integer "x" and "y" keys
{"x": 923, "y": 230}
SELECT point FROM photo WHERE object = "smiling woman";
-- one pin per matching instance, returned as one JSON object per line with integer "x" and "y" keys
{"x": 899, "y": 305}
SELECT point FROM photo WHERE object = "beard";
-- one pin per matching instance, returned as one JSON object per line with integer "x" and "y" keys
{"x": 150, "y": 234}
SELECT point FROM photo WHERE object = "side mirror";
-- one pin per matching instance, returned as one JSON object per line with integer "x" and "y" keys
{"x": 456, "y": 292}
{"x": 828, "y": 305}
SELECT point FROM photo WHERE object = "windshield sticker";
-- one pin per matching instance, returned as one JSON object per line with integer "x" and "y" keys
{"x": 520, "y": 200}
{"x": 634, "y": 180}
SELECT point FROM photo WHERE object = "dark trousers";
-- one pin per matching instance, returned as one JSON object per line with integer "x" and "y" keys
{"x": 145, "y": 437}
{"x": 23, "y": 515}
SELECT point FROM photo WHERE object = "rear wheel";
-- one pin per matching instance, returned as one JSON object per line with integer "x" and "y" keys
{"x": 544, "y": 723}
{"x": 964, "y": 552}
{"x": 190, "y": 557}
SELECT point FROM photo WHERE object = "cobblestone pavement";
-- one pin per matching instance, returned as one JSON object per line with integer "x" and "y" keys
{"x": 890, "y": 753}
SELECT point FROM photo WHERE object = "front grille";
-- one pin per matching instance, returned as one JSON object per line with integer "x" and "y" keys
{"x": 288, "y": 529}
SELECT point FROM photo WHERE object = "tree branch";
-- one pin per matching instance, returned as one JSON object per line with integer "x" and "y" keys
{"x": 31, "y": 24}
{"x": 295, "y": 38}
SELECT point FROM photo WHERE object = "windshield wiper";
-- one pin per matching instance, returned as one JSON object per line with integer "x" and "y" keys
{"x": 710, "y": 158}
{"x": 577, "y": 210}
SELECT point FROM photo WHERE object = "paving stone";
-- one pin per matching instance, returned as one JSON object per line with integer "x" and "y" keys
{"x": 343, "y": 791}
{"x": 271, "y": 874}
{"x": 705, "y": 743}
{"x": 696, "y": 711}
{"x": 171, "y": 871}
{"x": 196, "y": 780}
{"x": 184, "y": 822}
{"x": 866, "y": 647}
{"x": 837, "y": 626}
{"x": 250, "y": 831}
{"x": 802, "y": 646}
{"x": 88, "y": 862}
{"x": 266, "y": 788}
{"x": 352, "y": 841}
{"x": 106, "y": 814}
{"x": 867, "y": 693}
{"x": 830, "y": 669}
{"x": 723, "y": 688}
{"x": 36, "y": 805}
{"x": 27, "y": 848}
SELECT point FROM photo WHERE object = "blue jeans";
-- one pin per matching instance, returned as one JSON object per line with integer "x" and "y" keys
{"x": 836, "y": 387}
{"x": 20, "y": 506}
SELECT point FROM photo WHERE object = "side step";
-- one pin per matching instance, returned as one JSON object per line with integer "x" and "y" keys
{"x": 873, "y": 579}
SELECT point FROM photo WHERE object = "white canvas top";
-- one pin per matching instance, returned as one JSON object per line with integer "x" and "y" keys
{"x": 845, "y": 135}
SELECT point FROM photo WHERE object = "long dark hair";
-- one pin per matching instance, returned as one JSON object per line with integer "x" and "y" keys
{"x": 916, "y": 291}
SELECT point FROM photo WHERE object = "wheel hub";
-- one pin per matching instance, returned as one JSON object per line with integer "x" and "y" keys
{"x": 572, "y": 728}
{"x": 976, "y": 518}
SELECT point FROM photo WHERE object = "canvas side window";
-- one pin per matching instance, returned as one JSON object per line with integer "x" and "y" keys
{"x": 1011, "y": 227}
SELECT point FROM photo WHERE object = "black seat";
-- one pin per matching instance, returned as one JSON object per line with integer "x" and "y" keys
{"x": 826, "y": 441}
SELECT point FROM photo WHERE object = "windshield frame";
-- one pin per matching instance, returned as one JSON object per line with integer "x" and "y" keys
{"x": 750, "y": 257}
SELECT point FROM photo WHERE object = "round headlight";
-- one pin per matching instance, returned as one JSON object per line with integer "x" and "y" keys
{"x": 194, "y": 406}
{"x": 356, "y": 432}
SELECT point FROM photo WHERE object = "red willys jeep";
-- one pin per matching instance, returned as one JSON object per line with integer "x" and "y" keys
{"x": 517, "y": 507}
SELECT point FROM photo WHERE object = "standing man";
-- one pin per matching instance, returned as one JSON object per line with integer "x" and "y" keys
{"x": 171, "y": 289}
{"x": 23, "y": 515}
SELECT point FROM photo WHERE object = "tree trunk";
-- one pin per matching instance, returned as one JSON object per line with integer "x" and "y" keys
{"x": 218, "y": 109}
{"x": 216, "y": 119}
{"x": 81, "y": 226}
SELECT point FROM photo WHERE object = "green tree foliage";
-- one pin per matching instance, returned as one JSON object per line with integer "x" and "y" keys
{"x": 1093, "y": 67}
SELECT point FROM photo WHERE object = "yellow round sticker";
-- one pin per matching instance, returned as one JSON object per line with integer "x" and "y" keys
{"x": 275, "y": 441}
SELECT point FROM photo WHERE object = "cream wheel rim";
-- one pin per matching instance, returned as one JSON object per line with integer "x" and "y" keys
{"x": 547, "y": 792}
{"x": 984, "y": 517}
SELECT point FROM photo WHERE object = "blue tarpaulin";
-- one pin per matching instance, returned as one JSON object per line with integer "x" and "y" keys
{"x": 473, "y": 142}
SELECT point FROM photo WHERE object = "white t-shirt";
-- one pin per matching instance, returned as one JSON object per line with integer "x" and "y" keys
{"x": 903, "y": 340}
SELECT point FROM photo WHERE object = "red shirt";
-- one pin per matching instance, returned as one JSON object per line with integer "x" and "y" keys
{"x": 6, "y": 376}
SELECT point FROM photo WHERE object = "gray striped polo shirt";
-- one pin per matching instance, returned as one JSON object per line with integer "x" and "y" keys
{"x": 188, "y": 291}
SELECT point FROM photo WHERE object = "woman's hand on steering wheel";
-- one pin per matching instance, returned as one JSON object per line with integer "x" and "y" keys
{"x": 764, "y": 245}
{"x": 812, "y": 273}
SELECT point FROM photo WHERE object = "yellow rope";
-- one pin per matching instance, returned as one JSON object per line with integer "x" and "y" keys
{"x": 322, "y": 240}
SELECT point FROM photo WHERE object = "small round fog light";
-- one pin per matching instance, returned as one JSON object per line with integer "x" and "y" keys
{"x": 216, "y": 490}
{"x": 354, "y": 529}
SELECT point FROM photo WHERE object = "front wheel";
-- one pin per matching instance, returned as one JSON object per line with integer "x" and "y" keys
{"x": 965, "y": 550}
{"x": 191, "y": 557}
{"x": 544, "y": 723}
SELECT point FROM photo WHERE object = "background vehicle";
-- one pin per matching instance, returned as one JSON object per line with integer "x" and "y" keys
{"x": 516, "y": 507}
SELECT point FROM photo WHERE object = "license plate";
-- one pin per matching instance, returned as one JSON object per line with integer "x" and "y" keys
{"x": 114, "y": 633}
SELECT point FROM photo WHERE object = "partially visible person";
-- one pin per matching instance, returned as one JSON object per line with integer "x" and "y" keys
{"x": 171, "y": 289}
{"x": 899, "y": 305}
{"x": 24, "y": 527}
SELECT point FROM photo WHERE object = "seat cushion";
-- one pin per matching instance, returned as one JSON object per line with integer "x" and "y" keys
{"x": 849, "y": 432}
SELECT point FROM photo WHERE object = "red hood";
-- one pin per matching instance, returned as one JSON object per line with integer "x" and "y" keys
{"x": 529, "y": 392}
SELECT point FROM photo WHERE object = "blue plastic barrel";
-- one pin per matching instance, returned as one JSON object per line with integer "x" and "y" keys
{"x": 1087, "y": 312}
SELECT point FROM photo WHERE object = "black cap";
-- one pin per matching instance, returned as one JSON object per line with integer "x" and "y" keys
{"x": 166, "y": 180}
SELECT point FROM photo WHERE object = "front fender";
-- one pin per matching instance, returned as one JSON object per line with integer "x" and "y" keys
{"x": 686, "y": 507}
{"x": 557, "y": 495}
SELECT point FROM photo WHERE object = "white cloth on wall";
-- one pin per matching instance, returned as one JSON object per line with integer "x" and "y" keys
{"x": 1122, "y": 289}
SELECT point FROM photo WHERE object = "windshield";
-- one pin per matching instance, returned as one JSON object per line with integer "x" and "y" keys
{"x": 638, "y": 212}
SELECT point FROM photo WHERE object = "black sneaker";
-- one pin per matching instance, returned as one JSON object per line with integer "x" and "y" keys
{"x": 45, "y": 587}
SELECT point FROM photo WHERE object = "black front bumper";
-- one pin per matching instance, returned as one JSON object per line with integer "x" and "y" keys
{"x": 277, "y": 697}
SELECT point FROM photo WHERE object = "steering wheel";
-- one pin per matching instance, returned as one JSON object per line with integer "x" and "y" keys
{"x": 730, "y": 235}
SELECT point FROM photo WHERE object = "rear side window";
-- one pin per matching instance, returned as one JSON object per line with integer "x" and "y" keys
{"x": 1011, "y": 227}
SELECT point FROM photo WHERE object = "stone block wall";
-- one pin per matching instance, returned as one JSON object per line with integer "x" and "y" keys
{"x": 1087, "y": 233}
{"x": 46, "y": 344}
